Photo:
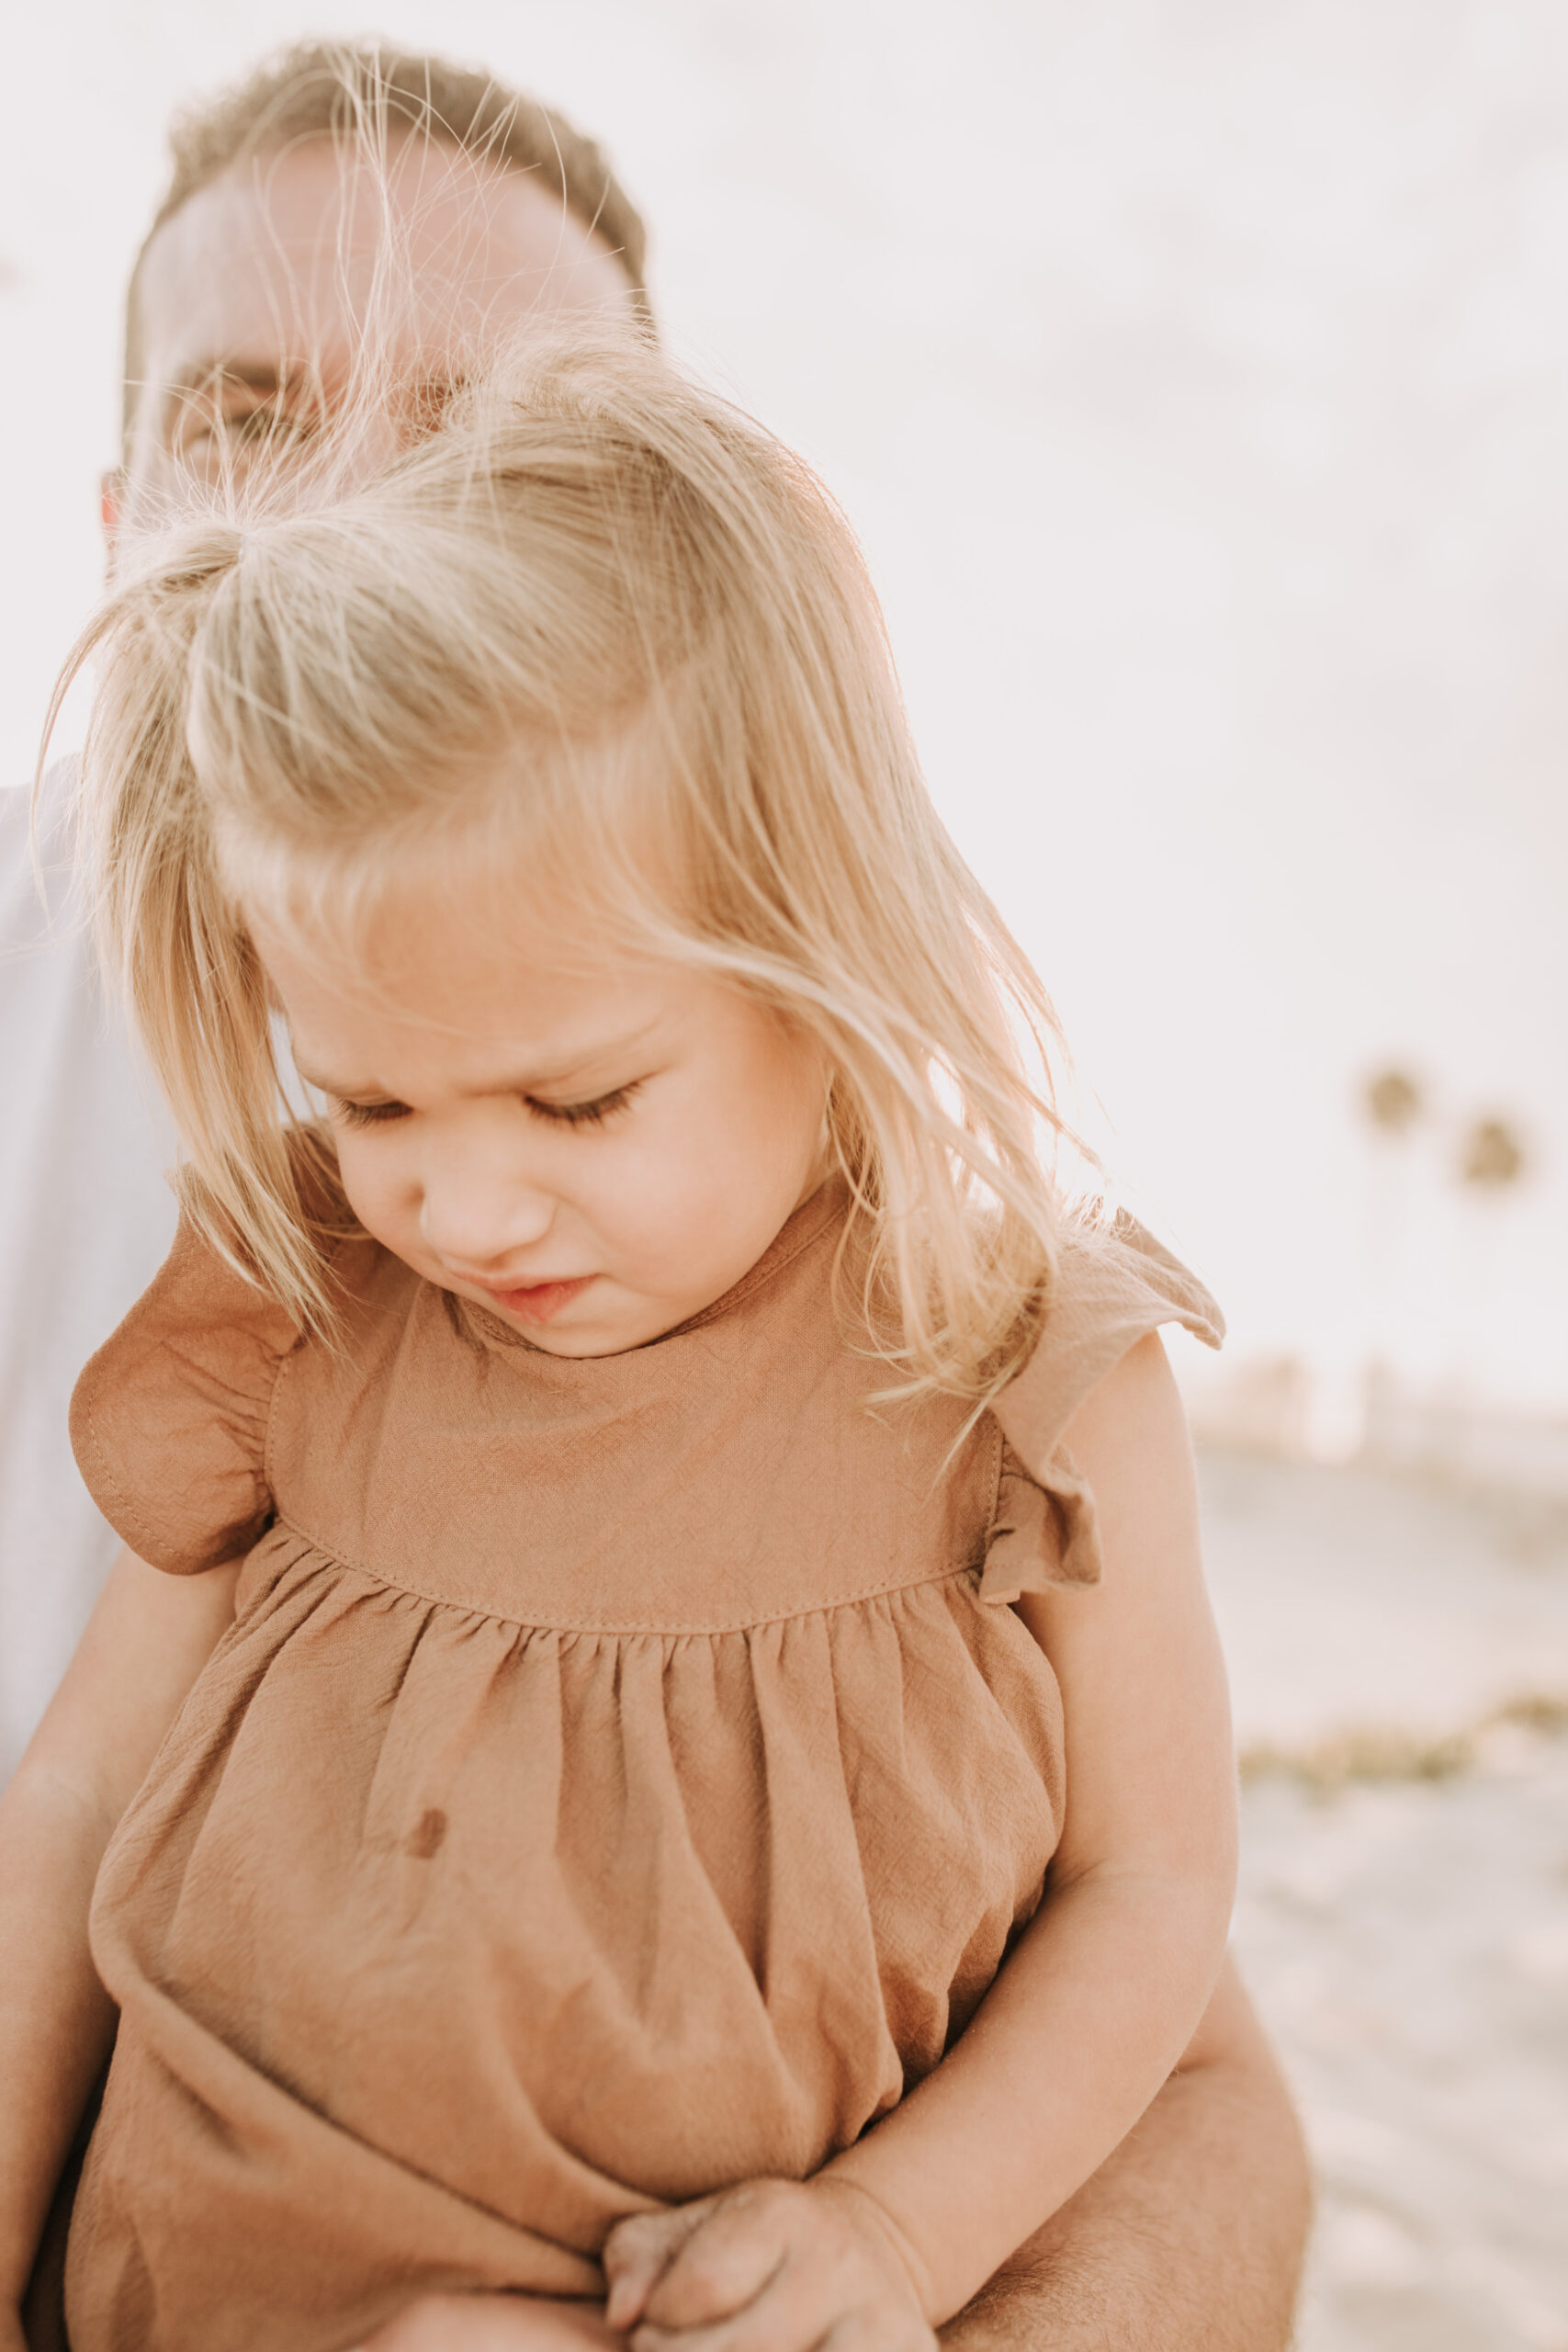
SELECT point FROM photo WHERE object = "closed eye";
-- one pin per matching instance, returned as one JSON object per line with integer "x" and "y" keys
{"x": 593, "y": 1114}
{"x": 367, "y": 1115}
{"x": 233, "y": 418}
{"x": 585, "y": 1114}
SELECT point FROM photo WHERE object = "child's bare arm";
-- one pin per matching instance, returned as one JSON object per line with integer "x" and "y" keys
{"x": 147, "y": 1641}
{"x": 1104, "y": 1988}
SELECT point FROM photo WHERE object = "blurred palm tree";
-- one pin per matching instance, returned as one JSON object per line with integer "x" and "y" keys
{"x": 1393, "y": 1102}
{"x": 1492, "y": 1157}
{"x": 1438, "y": 1233}
{"x": 1490, "y": 1163}
{"x": 1394, "y": 1106}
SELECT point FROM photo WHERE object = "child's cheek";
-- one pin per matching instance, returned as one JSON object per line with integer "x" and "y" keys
{"x": 372, "y": 1191}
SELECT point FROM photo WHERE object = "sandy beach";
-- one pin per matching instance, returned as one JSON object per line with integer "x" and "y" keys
{"x": 1398, "y": 1654}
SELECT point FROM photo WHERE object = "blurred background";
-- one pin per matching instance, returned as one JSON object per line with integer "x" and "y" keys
{"x": 1196, "y": 377}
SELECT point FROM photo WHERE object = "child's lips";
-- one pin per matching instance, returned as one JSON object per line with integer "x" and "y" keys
{"x": 538, "y": 1302}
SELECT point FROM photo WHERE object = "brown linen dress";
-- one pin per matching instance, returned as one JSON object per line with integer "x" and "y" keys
{"x": 623, "y": 1776}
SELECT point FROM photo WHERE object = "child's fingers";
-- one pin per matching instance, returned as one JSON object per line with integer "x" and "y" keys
{"x": 637, "y": 2252}
{"x": 776, "y": 2268}
{"x": 723, "y": 2264}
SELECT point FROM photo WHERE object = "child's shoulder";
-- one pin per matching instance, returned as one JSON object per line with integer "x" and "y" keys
{"x": 169, "y": 1418}
{"x": 1115, "y": 1283}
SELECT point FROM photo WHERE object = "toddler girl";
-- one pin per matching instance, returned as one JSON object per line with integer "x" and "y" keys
{"x": 695, "y": 1753}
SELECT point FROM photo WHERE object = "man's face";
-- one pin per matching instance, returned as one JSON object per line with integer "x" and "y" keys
{"x": 255, "y": 295}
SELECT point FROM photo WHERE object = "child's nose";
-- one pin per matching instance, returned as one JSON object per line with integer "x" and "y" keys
{"x": 479, "y": 1221}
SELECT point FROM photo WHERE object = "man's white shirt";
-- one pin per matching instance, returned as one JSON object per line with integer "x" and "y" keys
{"x": 86, "y": 1217}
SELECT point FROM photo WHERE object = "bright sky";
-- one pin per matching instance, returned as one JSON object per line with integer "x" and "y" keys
{"x": 1197, "y": 380}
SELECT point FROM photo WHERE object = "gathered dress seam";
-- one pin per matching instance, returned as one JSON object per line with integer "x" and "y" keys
{"x": 284, "y": 1525}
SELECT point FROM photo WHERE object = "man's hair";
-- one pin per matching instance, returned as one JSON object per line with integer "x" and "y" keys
{"x": 363, "y": 91}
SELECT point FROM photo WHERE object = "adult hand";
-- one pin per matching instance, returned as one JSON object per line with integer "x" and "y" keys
{"x": 492, "y": 2323}
{"x": 773, "y": 2265}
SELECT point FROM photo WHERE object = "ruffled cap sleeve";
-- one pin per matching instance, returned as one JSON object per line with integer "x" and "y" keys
{"x": 168, "y": 1420}
{"x": 1115, "y": 1285}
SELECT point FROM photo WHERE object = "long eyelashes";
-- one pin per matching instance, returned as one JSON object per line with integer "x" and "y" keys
{"x": 584, "y": 1115}
{"x": 594, "y": 1114}
{"x": 367, "y": 1115}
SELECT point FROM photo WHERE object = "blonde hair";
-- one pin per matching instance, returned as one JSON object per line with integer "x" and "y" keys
{"x": 364, "y": 95}
{"x": 597, "y": 605}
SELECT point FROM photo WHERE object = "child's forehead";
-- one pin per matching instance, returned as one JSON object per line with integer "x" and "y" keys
{"x": 547, "y": 937}
{"x": 509, "y": 888}
{"x": 431, "y": 988}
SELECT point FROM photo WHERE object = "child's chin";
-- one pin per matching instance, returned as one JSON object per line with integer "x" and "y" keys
{"x": 583, "y": 1332}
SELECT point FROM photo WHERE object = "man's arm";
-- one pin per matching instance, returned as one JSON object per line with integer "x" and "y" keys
{"x": 1189, "y": 2239}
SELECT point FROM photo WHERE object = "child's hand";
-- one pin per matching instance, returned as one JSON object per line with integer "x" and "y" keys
{"x": 787, "y": 2265}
